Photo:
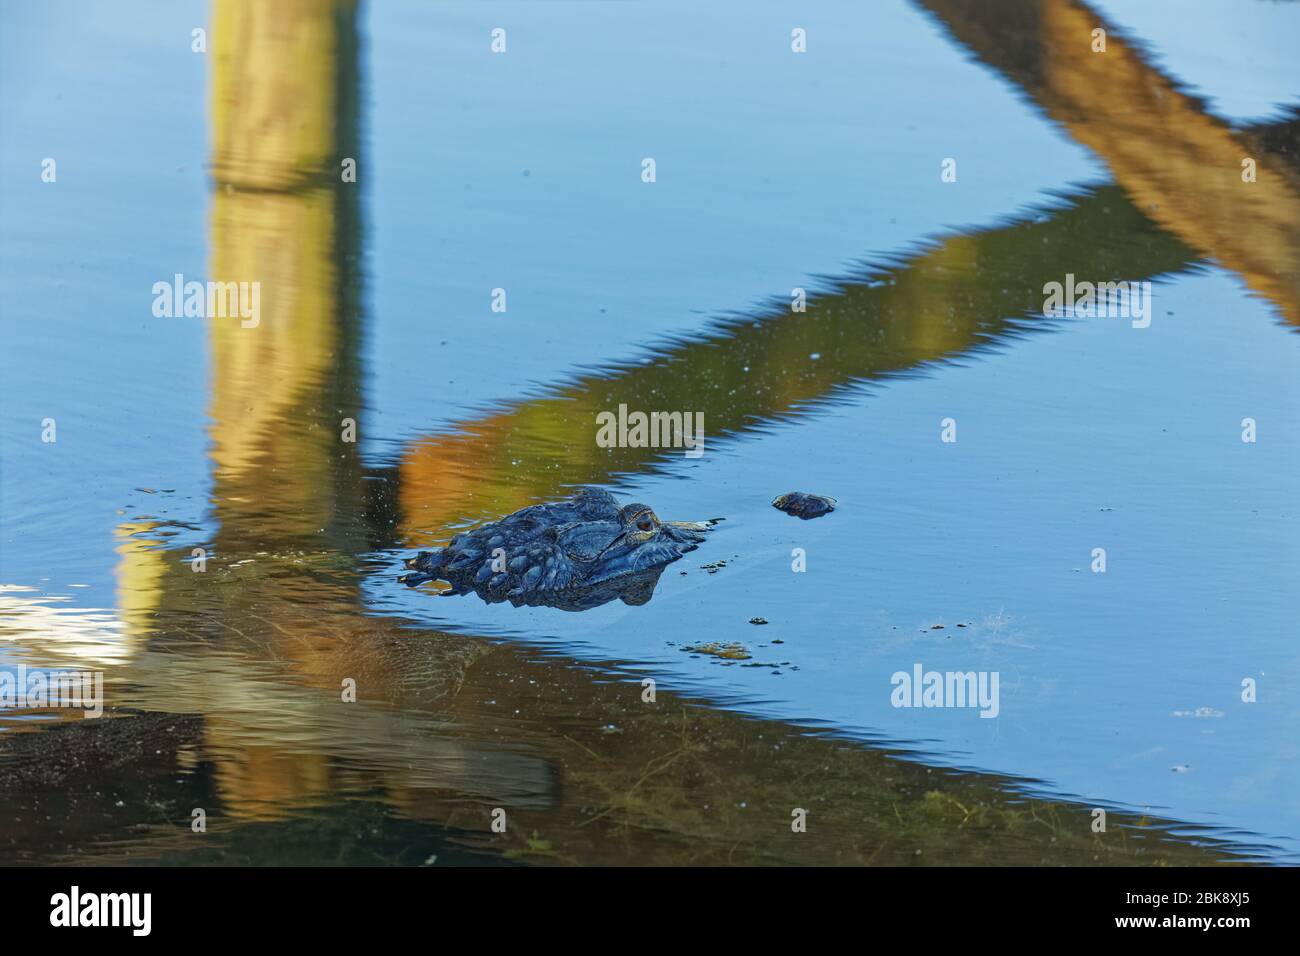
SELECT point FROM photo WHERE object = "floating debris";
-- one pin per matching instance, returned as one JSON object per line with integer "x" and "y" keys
{"x": 728, "y": 652}
{"x": 803, "y": 505}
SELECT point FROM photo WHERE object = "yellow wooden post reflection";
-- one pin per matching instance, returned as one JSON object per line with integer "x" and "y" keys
{"x": 275, "y": 220}
{"x": 275, "y": 447}
{"x": 260, "y": 642}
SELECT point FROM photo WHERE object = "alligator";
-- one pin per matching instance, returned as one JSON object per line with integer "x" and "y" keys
{"x": 573, "y": 554}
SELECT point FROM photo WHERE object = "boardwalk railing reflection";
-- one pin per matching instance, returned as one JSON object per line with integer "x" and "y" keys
{"x": 1179, "y": 200}
{"x": 261, "y": 641}
{"x": 1177, "y": 163}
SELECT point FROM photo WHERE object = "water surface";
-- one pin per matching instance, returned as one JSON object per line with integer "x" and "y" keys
{"x": 521, "y": 171}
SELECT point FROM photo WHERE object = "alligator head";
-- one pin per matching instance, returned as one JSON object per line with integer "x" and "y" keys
{"x": 570, "y": 554}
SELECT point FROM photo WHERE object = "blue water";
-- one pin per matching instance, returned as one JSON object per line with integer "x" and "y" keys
{"x": 774, "y": 171}
{"x": 1088, "y": 437}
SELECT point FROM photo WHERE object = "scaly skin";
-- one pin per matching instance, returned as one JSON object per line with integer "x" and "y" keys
{"x": 571, "y": 554}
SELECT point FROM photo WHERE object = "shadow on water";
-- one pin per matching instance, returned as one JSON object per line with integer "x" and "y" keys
{"x": 227, "y": 682}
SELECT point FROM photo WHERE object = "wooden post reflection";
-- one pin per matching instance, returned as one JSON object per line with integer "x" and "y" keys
{"x": 282, "y": 216}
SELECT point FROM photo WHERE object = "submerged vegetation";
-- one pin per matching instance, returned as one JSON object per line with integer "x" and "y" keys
{"x": 621, "y": 781}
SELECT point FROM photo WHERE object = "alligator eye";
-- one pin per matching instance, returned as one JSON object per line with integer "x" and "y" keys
{"x": 644, "y": 524}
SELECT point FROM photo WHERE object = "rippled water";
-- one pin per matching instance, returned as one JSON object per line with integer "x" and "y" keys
{"x": 522, "y": 171}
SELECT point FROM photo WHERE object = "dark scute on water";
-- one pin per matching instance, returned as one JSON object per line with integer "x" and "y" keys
{"x": 803, "y": 505}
